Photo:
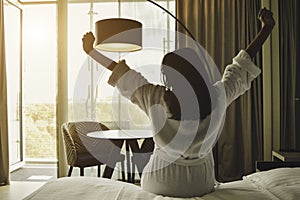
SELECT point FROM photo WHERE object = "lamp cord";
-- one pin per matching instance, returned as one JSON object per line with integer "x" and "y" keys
{"x": 177, "y": 20}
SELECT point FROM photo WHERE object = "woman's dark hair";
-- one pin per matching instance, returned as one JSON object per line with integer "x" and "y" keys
{"x": 184, "y": 64}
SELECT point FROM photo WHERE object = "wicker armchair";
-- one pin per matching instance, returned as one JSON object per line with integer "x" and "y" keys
{"x": 83, "y": 151}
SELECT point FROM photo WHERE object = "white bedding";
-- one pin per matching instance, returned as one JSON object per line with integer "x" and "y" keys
{"x": 282, "y": 183}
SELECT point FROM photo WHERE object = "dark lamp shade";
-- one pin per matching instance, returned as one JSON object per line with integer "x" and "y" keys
{"x": 118, "y": 35}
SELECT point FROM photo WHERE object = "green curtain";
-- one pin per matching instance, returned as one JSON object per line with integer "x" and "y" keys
{"x": 4, "y": 156}
{"x": 289, "y": 25}
{"x": 223, "y": 28}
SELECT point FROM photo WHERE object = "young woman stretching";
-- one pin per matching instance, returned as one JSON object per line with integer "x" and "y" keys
{"x": 181, "y": 112}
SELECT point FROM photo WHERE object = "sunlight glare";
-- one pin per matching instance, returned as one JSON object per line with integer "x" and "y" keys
{"x": 36, "y": 34}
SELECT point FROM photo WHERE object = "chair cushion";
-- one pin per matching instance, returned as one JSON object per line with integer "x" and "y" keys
{"x": 86, "y": 159}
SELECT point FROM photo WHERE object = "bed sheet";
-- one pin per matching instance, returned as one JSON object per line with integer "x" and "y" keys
{"x": 283, "y": 184}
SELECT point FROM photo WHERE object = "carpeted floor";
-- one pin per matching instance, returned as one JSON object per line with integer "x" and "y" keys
{"x": 34, "y": 173}
{"x": 44, "y": 173}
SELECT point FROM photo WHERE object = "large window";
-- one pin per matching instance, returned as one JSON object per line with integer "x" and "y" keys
{"x": 90, "y": 96}
{"x": 94, "y": 99}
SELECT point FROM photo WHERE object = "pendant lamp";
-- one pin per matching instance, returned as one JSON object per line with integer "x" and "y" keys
{"x": 118, "y": 35}
{"x": 124, "y": 35}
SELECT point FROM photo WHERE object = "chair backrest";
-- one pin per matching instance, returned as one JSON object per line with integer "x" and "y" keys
{"x": 69, "y": 145}
{"x": 101, "y": 149}
{"x": 79, "y": 131}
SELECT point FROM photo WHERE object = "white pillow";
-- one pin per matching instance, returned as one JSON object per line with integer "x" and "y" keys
{"x": 276, "y": 177}
{"x": 282, "y": 183}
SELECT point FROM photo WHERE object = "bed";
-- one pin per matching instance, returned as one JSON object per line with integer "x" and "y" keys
{"x": 281, "y": 183}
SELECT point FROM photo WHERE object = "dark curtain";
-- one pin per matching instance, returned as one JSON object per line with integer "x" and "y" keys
{"x": 289, "y": 25}
{"x": 223, "y": 28}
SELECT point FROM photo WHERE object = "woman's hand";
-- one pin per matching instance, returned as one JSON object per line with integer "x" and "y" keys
{"x": 268, "y": 22}
{"x": 88, "y": 42}
{"x": 266, "y": 18}
{"x": 88, "y": 45}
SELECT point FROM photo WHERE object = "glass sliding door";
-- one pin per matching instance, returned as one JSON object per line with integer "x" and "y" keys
{"x": 40, "y": 64}
{"x": 13, "y": 26}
